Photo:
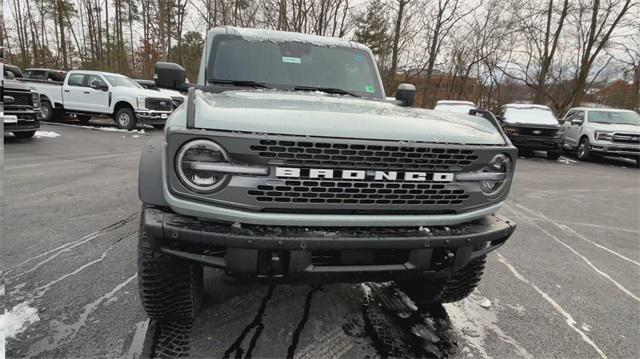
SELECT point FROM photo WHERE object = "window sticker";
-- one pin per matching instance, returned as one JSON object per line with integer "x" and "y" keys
{"x": 291, "y": 60}
{"x": 369, "y": 89}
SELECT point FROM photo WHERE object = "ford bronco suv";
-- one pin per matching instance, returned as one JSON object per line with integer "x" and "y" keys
{"x": 288, "y": 164}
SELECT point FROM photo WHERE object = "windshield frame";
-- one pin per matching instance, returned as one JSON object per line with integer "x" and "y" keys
{"x": 632, "y": 113}
{"x": 378, "y": 94}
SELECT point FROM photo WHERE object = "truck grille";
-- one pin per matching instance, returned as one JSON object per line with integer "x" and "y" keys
{"x": 343, "y": 155}
{"x": 20, "y": 99}
{"x": 542, "y": 132}
{"x": 158, "y": 104}
{"x": 359, "y": 192}
{"x": 626, "y": 137}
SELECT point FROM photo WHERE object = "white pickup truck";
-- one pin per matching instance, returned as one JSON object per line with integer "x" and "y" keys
{"x": 90, "y": 93}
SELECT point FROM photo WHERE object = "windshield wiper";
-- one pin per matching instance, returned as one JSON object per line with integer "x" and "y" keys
{"x": 246, "y": 83}
{"x": 325, "y": 89}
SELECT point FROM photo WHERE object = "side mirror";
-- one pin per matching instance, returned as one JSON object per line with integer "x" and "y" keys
{"x": 576, "y": 122}
{"x": 102, "y": 87}
{"x": 171, "y": 76}
{"x": 406, "y": 94}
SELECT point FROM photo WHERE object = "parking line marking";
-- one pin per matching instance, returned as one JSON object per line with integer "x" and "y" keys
{"x": 576, "y": 234}
{"x": 589, "y": 263}
{"x": 568, "y": 318}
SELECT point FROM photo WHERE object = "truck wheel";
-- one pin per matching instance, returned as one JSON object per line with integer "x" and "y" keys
{"x": 584, "y": 149}
{"x": 47, "y": 111}
{"x": 24, "y": 134}
{"x": 453, "y": 288}
{"x": 170, "y": 289}
{"x": 553, "y": 155}
{"x": 126, "y": 119}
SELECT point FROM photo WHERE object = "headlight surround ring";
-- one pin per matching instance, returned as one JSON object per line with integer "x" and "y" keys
{"x": 200, "y": 146}
{"x": 500, "y": 163}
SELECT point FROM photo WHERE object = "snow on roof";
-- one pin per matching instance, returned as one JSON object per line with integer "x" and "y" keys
{"x": 601, "y": 109}
{"x": 453, "y": 102}
{"x": 526, "y": 105}
{"x": 282, "y": 36}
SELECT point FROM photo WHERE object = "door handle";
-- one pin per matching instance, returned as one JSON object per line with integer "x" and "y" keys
{"x": 66, "y": 90}
{"x": 87, "y": 92}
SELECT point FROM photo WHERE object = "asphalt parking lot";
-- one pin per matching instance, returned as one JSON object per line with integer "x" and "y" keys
{"x": 567, "y": 284}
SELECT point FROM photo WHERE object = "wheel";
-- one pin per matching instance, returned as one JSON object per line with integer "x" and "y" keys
{"x": 453, "y": 288}
{"x": 584, "y": 149}
{"x": 24, "y": 134}
{"x": 126, "y": 119}
{"x": 553, "y": 155}
{"x": 84, "y": 119}
{"x": 47, "y": 111}
{"x": 170, "y": 288}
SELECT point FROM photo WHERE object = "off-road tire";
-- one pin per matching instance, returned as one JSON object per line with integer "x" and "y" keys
{"x": 553, "y": 155}
{"x": 84, "y": 119}
{"x": 170, "y": 288}
{"x": 47, "y": 111}
{"x": 131, "y": 124}
{"x": 462, "y": 283}
{"x": 24, "y": 134}
{"x": 453, "y": 288}
{"x": 584, "y": 154}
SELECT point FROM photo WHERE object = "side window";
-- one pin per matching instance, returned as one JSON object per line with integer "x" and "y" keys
{"x": 578, "y": 115}
{"x": 76, "y": 80}
{"x": 95, "y": 81}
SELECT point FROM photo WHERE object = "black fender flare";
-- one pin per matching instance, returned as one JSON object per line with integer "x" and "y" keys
{"x": 150, "y": 186}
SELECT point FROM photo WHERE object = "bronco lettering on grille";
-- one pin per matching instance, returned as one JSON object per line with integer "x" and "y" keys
{"x": 292, "y": 172}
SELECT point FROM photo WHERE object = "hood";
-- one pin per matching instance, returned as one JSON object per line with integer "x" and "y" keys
{"x": 323, "y": 115}
{"x": 134, "y": 91}
{"x": 16, "y": 85}
{"x": 614, "y": 127}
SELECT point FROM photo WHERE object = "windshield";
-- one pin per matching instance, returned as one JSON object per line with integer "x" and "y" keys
{"x": 530, "y": 115}
{"x": 287, "y": 65}
{"x": 121, "y": 81}
{"x": 613, "y": 117}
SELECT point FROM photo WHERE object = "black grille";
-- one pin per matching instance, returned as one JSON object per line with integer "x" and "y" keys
{"x": 177, "y": 101}
{"x": 542, "y": 132}
{"x": 626, "y": 137}
{"x": 343, "y": 155}
{"x": 359, "y": 192}
{"x": 158, "y": 104}
{"x": 19, "y": 99}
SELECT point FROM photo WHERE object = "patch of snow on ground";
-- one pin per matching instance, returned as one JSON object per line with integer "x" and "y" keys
{"x": 486, "y": 303}
{"x": 17, "y": 319}
{"x": 476, "y": 324}
{"x": 566, "y": 161}
{"x": 41, "y": 134}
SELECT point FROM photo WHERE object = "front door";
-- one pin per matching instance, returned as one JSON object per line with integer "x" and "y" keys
{"x": 572, "y": 128}
{"x": 97, "y": 94}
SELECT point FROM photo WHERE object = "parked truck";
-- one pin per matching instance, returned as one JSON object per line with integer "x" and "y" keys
{"x": 94, "y": 93}
{"x": 288, "y": 164}
{"x": 21, "y": 105}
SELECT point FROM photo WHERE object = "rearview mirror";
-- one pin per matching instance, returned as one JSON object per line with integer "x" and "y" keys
{"x": 406, "y": 94}
{"x": 170, "y": 75}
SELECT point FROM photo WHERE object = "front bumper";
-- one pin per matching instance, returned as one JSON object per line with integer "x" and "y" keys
{"x": 152, "y": 117}
{"x": 27, "y": 121}
{"x": 616, "y": 149}
{"x": 539, "y": 143}
{"x": 321, "y": 254}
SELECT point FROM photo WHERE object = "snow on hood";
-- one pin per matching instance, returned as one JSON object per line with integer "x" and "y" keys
{"x": 319, "y": 114}
{"x": 614, "y": 127}
{"x": 536, "y": 115}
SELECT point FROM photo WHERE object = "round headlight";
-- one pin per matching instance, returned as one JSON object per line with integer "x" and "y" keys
{"x": 191, "y": 164}
{"x": 499, "y": 164}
